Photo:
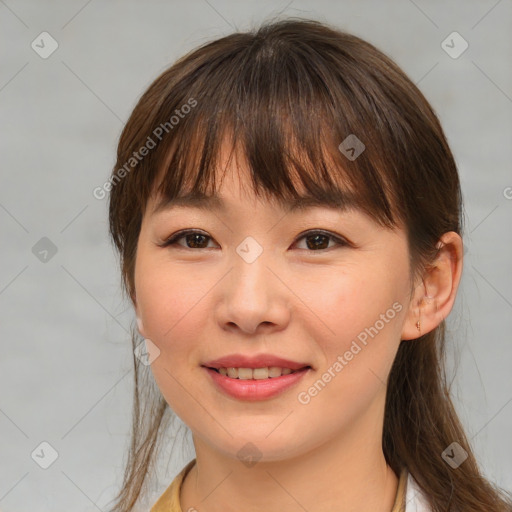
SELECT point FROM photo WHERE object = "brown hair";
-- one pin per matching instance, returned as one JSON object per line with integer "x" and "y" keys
{"x": 292, "y": 84}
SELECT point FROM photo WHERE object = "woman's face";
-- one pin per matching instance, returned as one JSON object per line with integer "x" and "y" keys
{"x": 338, "y": 308}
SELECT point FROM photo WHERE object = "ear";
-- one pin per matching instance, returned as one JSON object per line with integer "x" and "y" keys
{"x": 434, "y": 296}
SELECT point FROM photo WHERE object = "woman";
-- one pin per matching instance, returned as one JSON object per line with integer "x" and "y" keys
{"x": 288, "y": 216}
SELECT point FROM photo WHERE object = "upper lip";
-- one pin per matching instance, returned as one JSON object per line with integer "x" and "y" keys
{"x": 258, "y": 361}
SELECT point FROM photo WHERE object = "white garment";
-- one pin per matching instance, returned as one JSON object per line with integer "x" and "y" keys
{"x": 415, "y": 500}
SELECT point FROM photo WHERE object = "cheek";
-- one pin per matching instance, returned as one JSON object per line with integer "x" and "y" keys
{"x": 358, "y": 315}
{"x": 166, "y": 296}
{"x": 175, "y": 307}
{"x": 174, "y": 315}
{"x": 358, "y": 347}
{"x": 346, "y": 300}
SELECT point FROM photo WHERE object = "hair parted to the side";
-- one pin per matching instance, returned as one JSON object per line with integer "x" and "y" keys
{"x": 287, "y": 94}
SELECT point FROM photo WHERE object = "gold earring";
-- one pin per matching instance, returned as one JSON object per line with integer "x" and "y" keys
{"x": 418, "y": 326}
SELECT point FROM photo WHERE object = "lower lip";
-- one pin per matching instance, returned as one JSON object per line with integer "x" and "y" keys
{"x": 256, "y": 389}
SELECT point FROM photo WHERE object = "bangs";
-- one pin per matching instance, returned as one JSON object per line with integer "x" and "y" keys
{"x": 283, "y": 114}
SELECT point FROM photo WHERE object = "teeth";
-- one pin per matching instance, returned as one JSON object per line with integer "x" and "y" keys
{"x": 256, "y": 373}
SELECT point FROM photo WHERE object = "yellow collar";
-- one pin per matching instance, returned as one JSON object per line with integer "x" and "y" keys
{"x": 169, "y": 501}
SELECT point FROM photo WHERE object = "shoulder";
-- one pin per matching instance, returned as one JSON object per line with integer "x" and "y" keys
{"x": 169, "y": 501}
{"x": 415, "y": 499}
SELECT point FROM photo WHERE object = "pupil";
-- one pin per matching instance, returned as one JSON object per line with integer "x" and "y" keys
{"x": 317, "y": 245}
{"x": 194, "y": 238}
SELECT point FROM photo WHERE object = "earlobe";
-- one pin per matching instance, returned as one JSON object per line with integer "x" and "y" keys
{"x": 435, "y": 295}
{"x": 140, "y": 326}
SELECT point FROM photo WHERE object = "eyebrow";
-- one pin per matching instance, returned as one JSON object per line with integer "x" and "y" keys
{"x": 331, "y": 199}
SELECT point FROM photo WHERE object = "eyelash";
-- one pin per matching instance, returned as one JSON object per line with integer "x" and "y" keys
{"x": 172, "y": 240}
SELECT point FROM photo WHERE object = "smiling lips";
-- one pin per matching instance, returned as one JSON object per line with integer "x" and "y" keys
{"x": 255, "y": 378}
{"x": 263, "y": 366}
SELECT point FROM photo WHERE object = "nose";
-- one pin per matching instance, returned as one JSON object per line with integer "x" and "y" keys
{"x": 253, "y": 298}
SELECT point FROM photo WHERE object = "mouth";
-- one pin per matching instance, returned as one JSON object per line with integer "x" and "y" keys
{"x": 252, "y": 384}
{"x": 263, "y": 373}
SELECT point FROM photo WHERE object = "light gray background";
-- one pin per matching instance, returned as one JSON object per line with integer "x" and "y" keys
{"x": 65, "y": 370}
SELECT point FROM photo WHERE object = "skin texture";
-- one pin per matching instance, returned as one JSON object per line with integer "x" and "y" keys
{"x": 304, "y": 304}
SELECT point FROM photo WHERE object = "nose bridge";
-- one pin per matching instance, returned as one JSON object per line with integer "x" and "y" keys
{"x": 252, "y": 294}
{"x": 250, "y": 275}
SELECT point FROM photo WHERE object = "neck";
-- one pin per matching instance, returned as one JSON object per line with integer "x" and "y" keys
{"x": 347, "y": 472}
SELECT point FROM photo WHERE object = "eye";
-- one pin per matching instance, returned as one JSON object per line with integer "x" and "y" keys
{"x": 315, "y": 240}
{"x": 319, "y": 240}
{"x": 197, "y": 238}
